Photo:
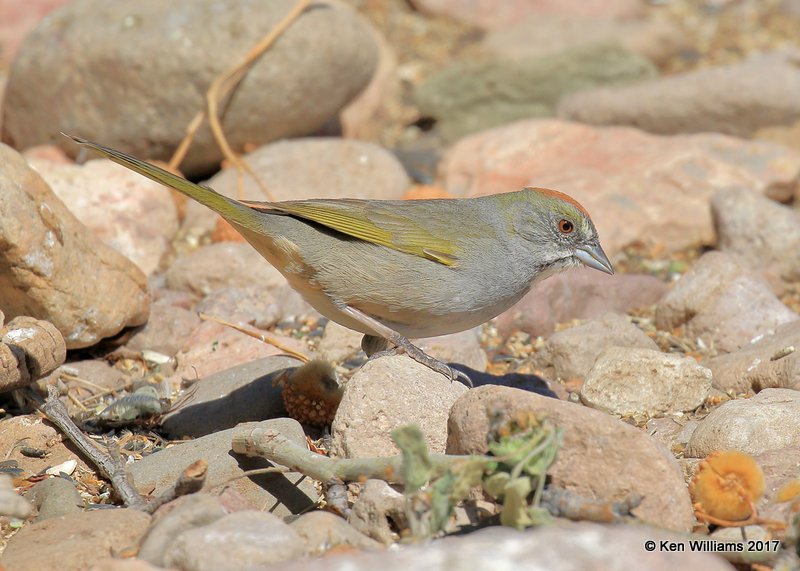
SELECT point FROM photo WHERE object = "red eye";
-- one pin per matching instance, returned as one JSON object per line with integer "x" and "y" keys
{"x": 566, "y": 226}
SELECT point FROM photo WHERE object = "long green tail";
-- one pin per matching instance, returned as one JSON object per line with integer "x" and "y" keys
{"x": 226, "y": 207}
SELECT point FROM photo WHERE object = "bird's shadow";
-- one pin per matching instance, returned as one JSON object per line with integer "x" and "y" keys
{"x": 530, "y": 383}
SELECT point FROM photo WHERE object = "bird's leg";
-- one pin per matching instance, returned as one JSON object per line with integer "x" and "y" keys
{"x": 402, "y": 344}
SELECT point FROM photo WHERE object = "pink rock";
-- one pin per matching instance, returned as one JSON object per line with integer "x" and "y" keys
{"x": 579, "y": 294}
{"x": 18, "y": 19}
{"x": 637, "y": 186}
{"x": 135, "y": 216}
{"x": 494, "y": 14}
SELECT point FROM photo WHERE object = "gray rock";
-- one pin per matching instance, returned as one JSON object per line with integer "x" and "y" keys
{"x": 385, "y": 394}
{"x": 239, "y": 541}
{"x": 378, "y": 507}
{"x": 760, "y": 231}
{"x": 339, "y": 343}
{"x": 629, "y": 381}
{"x": 771, "y": 362}
{"x": 53, "y": 268}
{"x": 736, "y": 100}
{"x": 280, "y": 494}
{"x": 320, "y": 63}
{"x": 768, "y": 421}
{"x": 55, "y": 497}
{"x": 225, "y": 399}
{"x": 165, "y": 331}
{"x": 570, "y": 353}
{"x": 12, "y": 505}
{"x": 322, "y": 531}
{"x": 780, "y": 467}
{"x": 463, "y": 348}
{"x": 565, "y": 547}
{"x": 672, "y": 431}
{"x": 474, "y": 96}
{"x": 720, "y": 302}
{"x": 587, "y": 463}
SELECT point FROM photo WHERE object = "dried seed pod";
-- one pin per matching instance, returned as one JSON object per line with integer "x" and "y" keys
{"x": 726, "y": 486}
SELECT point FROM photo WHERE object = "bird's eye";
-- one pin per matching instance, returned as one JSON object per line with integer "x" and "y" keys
{"x": 566, "y": 226}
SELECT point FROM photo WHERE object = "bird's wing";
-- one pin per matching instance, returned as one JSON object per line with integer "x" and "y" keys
{"x": 389, "y": 224}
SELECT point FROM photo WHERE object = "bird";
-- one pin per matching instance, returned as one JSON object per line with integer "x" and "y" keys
{"x": 397, "y": 270}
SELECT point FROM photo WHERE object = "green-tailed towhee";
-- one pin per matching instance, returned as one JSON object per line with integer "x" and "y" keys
{"x": 395, "y": 270}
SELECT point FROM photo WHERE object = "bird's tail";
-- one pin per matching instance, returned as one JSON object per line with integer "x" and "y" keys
{"x": 228, "y": 208}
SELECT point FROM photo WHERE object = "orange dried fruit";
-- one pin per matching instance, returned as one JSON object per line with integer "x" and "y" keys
{"x": 726, "y": 486}
{"x": 789, "y": 491}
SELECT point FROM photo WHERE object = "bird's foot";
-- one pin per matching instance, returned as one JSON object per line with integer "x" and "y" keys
{"x": 421, "y": 357}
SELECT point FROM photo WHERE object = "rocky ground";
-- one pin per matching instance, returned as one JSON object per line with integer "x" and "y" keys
{"x": 675, "y": 123}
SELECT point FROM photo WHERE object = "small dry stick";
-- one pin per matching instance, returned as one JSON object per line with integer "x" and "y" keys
{"x": 220, "y": 88}
{"x": 190, "y": 481}
{"x": 110, "y": 465}
{"x": 264, "y": 338}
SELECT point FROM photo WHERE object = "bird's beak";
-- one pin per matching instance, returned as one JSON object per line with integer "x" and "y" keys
{"x": 593, "y": 256}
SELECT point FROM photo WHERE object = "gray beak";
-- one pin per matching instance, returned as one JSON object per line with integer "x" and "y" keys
{"x": 593, "y": 256}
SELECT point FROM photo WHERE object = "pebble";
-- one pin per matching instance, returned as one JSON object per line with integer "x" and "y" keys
{"x": 768, "y": 421}
{"x": 55, "y": 497}
{"x": 328, "y": 55}
{"x": 638, "y": 187}
{"x": 600, "y": 456}
{"x": 62, "y": 273}
{"x": 722, "y": 303}
{"x": 387, "y": 393}
{"x": 322, "y": 531}
{"x": 633, "y": 381}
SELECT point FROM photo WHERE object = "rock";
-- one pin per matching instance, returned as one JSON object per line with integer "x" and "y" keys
{"x": 213, "y": 347}
{"x": 51, "y": 544}
{"x": 310, "y": 168}
{"x": 12, "y": 505}
{"x": 328, "y": 55}
{"x": 600, "y": 457}
{"x": 672, "y": 431}
{"x": 166, "y": 330}
{"x": 544, "y": 34}
{"x": 55, "y": 497}
{"x": 128, "y": 212}
{"x": 462, "y": 348}
{"x": 29, "y": 349}
{"x": 628, "y": 381}
{"x": 780, "y": 467}
{"x": 171, "y": 520}
{"x": 34, "y": 432}
{"x": 53, "y": 268}
{"x": 242, "y": 540}
{"x": 18, "y": 20}
{"x": 251, "y": 305}
{"x": 114, "y": 564}
{"x": 379, "y": 507}
{"x": 239, "y": 394}
{"x": 490, "y": 14}
{"x": 758, "y": 230}
{"x": 473, "y": 96}
{"x": 570, "y": 353}
{"x": 339, "y": 343}
{"x": 280, "y": 494}
{"x": 579, "y": 294}
{"x": 322, "y": 531}
{"x": 736, "y": 100}
{"x": 564, "y": 547}
{"x": 385, "y": 394}
{"x": 97, "y": 371}
{"x": 723, "y": 304}
{"x": 225, "y": 264}
{"x": 768, "y": 421}
{"x": 638, "y": 187}
{"x": 767, "y": 363}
